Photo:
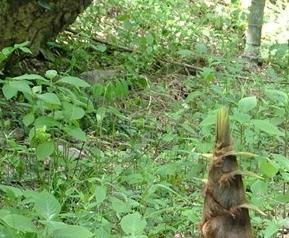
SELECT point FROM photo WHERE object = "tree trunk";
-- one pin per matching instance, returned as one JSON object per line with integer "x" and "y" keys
{"x": 36, "y": 21}
{"x": 254, "y": 31}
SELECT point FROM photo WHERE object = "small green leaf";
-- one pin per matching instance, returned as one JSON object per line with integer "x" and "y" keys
{"x": 50, "y": 74}
{"x": 28, "y": 119}
{"x": 50, "y": 98}
{"x": 44, "y": 149}
{"x": 248, "y": 103}
{"x": 45, "y": 4}
{"x": 168, "y": 137}
{"x": 100, "y": 114}
{"x": 74, "y": 81}
{"x": 25, "y": 50}
{"x": 72, "y": 232}
{"x": 185, "y": 53}
{"x": 208, "y": 73}
{"x": 133, "y": 224}
{"x": 9, "y": 91}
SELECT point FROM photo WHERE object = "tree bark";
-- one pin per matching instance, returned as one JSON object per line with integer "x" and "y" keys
{"x": 36, "y": 21}
{"x": 254, "y": 31}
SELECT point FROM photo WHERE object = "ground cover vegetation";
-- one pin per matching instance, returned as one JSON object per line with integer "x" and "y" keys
{"x": 108, "y": 135}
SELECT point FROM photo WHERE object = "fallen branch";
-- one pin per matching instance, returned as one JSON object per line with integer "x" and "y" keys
{"x": 95, "y": 39}
{"x": 239, "y": 77}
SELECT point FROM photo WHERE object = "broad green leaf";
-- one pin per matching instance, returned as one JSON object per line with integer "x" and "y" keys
{"x": 19, "y": 222}
{"x": 7, "y": 51}
{"x": 277, "y": 95}
{"x": 72, "y": 112}
{"x": 102, "y": 233}
{"x": 119, "y": 206}
{"x": 76, "y": 133}
{"x": 271, "y": 229}
{"x": 248, "y": 103}
{"x": 28, "y": 119}
{"x": 72, "y": 232}
{"x": 100, "y": 194}
{"x": 30, "y": 77}
{"x": 50, "y": 98}
{"x": 241, "y": 117}
{"x": 210, "y": 119}
{"x": 268, "y": 169}
{"x": 259, "y": 187}
{"x": 44, "y": 149}
{"x": 4, "y": 212}
{"x": 9, "y": 91}
{"x": 46, "y": 205}
{"x": 53, "y": 225}
{"x": 15, "y": 192}
{"x": 282, "y": 161}
{"x": 46, "y": 121}
{"x": 267, "y": 126}
{"x": 133, "y": 224}
{"x": 21, "y": 86}
{"x": 7, "y": 233}
{"x": 77, "y": 82}
{"x": 283, "y": 198}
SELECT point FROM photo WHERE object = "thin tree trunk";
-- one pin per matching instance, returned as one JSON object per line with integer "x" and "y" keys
{"x": 254, "y": 31}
